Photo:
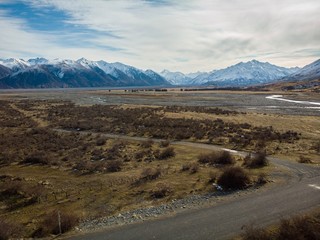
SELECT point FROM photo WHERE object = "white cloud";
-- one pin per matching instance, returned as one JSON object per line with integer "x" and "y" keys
{"x": 189, "y": 35}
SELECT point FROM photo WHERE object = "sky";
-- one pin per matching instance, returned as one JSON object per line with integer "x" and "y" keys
{"x": 179, "y": 35}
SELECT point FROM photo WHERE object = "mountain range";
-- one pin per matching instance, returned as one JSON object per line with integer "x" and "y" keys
{"x": 61, "y": 73}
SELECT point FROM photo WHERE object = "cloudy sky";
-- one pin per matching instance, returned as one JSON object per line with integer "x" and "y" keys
{"x": 179, "y": 35}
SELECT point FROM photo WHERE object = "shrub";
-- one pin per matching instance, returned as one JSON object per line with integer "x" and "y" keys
{"x": 213, "y": 158}
{"x": 8, "y": 230}
{"x": 101, "y": 141}
{"x": 114, "y": 166}
{"x": 162, "y": 190}
{"x": 166, "y": 153}
{"x": 234, "y": 178}
{"x": 165, "y": 143}
{"x": 150, "y": 173}
{"x": 256, "y": 160}
{"x": 303, "y": 159}
{"x": 191, "y": 167}
{"x": 262, "y": 179}
{"x": 37, "y": 158}
{"x": 212, "y": 177}
{"x": 50, "y": 223}
{"x": 252, "y": 233}
{"x": 299, "y": 227}
{"x": 147, "y": 144}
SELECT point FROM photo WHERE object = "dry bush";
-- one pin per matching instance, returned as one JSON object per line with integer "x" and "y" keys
{"x": 36, "y": 158}
{"x": 256, "y": 160}
{"x": 150, "y": 174}
{"x": 166, "y": 153}
{"x": 50, "y": 223}
{"x": 214, "y": 158}
{"x": 234, "y": 178}
{"x": 101, "y": 141}
{"x": 114, "y": 166}
{"x": 299, "y": 227}
{"x": 191, "y": 167}
{"x": 316, "y": 146}
{"x": 165, "y": 143}
{"x": 251, "y": 233}
{"x": 303, "y": 159}
{"x": 162, "y": 190}
{"x": 8, "y": 230}
{"x": 262, "y": 179}
{"x": 212, "y": 177}
{"x": 147, "y": 144}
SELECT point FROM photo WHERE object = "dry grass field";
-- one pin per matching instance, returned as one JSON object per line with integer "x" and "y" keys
{"x": 81, "y": 171}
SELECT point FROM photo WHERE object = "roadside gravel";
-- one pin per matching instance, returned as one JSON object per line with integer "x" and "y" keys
{"x": 152, "y": 212}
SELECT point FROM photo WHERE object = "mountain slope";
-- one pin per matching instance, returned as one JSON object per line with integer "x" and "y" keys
{"x": 14, "y": 64}
{"x": 176, "y": 78}
{"x": 309, "y": 72}
{"x": 4, "y": 71}
{"x": 249, "y": 73}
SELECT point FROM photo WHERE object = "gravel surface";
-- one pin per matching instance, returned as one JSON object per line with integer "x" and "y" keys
{"x": 152, "y": 212}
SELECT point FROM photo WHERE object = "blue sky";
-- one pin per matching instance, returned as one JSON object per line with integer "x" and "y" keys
{"x": 185, "y": 36}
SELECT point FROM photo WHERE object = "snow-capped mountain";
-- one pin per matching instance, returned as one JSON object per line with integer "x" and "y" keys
{"x": 176, "y": 78}
{"x": 201, "y": 78}
{"x": 40, "y": 72}
{"x": 309, "y": 72}
{"x": 248, "y": 73}
{"x": 37, "y": 61}
{"x": 14, "y": 64}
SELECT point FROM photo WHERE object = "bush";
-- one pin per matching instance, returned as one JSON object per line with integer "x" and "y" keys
{"x": 303, "y": 159}
{"x": 234, "y": 178}
{"x": 166, "y": 153}
{"x": 101, "y": 141}
{"x": 256, "y": 160}
{"x": 147, "y": 144}
{"x": 114, "y": 166}
{"x": 50, "y": 223}
{"x": 213, "y": 158}
{"x": 8, "y": 230}
{"x": 162, "y": 190}
{"x": 252, "y": 233}
{"x": 191, "y": 167}
{"x": 165, "y": 143}
{"x": 299, "y": 227}
{"x": 212, "y": 177}
{"x": 150, "y": 173}
{"x": 37, "y": 158}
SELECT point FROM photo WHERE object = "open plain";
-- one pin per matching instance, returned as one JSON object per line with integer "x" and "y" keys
{"x": 102, "y": 158}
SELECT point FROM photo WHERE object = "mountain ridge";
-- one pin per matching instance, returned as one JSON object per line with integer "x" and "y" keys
{"x": 41, "y": 73}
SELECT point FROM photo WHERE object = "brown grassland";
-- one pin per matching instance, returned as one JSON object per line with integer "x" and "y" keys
{"x": 44, "y": 169}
